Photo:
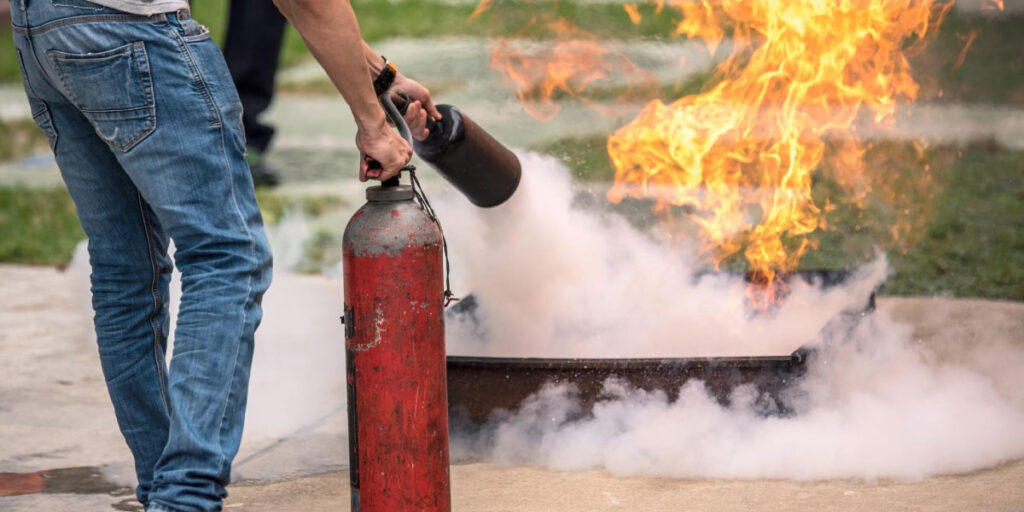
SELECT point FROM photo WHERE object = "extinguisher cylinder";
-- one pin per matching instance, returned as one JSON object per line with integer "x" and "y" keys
{"x": 397, "y": 399}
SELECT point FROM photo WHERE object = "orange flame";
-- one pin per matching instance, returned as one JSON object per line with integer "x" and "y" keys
{"x": 741, "y": 155}
{"x": 633, "y": 11}
{"x": 576, "y": 60}
{"x": 960, "y": 59}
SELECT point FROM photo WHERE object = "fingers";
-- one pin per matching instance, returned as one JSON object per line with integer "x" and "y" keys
{"x": 428, "y": 103}
{"x": 389, "y": 174}
{"x": 382, "y": 153}
{"x": 368, "y": 168}
{"x": 416, "y": 118}
{"x": 394, "y": 158}
{"x": 416, "y": 91}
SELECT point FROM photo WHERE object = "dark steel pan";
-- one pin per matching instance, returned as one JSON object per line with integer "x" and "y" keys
{"x": 477, "y": 386}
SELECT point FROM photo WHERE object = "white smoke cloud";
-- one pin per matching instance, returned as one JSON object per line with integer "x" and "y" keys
{"x": 879, "y": 410}
{"x": 555, "y": 281}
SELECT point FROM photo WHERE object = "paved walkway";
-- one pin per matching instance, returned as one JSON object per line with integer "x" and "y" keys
{"x": 55, "y": 414}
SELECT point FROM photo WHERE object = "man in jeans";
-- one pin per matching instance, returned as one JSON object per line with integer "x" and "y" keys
{"x": 140, "y": 111}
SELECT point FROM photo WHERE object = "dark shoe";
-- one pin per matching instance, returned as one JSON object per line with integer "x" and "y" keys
{"x": 262, "y": 174}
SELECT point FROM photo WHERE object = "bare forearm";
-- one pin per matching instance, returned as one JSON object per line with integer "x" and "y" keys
{"x": 374, "y": 62}
{"x": 331, "y": 32}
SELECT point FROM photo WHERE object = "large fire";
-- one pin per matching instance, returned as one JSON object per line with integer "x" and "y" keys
{"x": 741, "y": 155}
{"x": 738, "y": 159}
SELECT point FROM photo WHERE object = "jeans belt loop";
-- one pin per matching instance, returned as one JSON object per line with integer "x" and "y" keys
{"x": 183, "y": 14}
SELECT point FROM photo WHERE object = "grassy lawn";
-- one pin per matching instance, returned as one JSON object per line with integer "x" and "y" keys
{"x": 993, "y": 65}
{"x": 974, "y": 244}
{"x": 39, "y": 225}
{"x": 20, "y": 137}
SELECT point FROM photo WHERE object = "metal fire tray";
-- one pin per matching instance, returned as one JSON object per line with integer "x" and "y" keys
{"x": 477, "y": 386}
{"x": 480, "y": 386}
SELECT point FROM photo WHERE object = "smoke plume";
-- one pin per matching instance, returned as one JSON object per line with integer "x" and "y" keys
{"x": 554, "y": 280}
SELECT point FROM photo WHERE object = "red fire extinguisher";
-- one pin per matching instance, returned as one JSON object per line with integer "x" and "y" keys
{"x": 396, "y": 290}
{"x": 395, "y": 355}
{"x": 394, "y": 323}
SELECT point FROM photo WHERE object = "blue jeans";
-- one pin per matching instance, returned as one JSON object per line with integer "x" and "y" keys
{"x": 146, "y": 127}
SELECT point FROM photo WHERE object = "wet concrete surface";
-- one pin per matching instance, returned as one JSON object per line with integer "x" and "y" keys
{"x": 78, "y": 480}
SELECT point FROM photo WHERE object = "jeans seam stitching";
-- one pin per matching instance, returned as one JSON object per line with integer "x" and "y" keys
{"x": 248, "y": 293}
{"x": 52, "y": 133}
{"x": 147, "y": 90}
{"x": 66, "y": 87}
{"x": 59, "y": 3}
{"x": 88, "y": 18}
{"x": 197, "y": 78}
{"x": 120, "y": 51}
{"x": 198, "y": 37}
{"x": 156, "y": 305}
{"x": 115, "y": 110}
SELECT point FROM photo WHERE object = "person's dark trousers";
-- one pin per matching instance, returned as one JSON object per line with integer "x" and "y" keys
{"x": 252, "y": 49}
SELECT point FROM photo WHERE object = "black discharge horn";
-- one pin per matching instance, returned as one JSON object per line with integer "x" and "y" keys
{"x": 484, "y": 170}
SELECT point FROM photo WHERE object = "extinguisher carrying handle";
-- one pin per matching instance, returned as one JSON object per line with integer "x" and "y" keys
{"x": 395, "y": 116}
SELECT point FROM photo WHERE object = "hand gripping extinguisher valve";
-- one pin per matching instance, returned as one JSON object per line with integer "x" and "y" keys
{"x": 392, "y": 189}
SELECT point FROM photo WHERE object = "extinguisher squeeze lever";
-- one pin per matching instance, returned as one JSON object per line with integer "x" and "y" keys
{"x": 396, "y": 118}
{"x": 395, "y": 115}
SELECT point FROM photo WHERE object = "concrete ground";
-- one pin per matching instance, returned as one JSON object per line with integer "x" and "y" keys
{"x": 484, "y": 488}
{"x": 55, "y": 417}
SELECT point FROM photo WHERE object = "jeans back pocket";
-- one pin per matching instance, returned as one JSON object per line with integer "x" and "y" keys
{"x": 113, "y": 88}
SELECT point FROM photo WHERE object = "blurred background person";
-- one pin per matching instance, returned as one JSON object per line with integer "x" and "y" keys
{"x": 252, "y": 49}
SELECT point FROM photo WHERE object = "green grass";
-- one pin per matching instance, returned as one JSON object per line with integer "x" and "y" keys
{"x": 9, "y": 69}
{"x": 383, "y": 19}
{"x": 974, "y": 244}
{"x": 20, "y": 137}
{"x": 322, "y": 251}
{"x": 274, "y": 205}
{"x": 993, "y": 67}
{"x": 39, "y": 226}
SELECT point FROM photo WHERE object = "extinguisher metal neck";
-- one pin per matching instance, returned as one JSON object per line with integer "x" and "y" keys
{"x": 383, "y": 194}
